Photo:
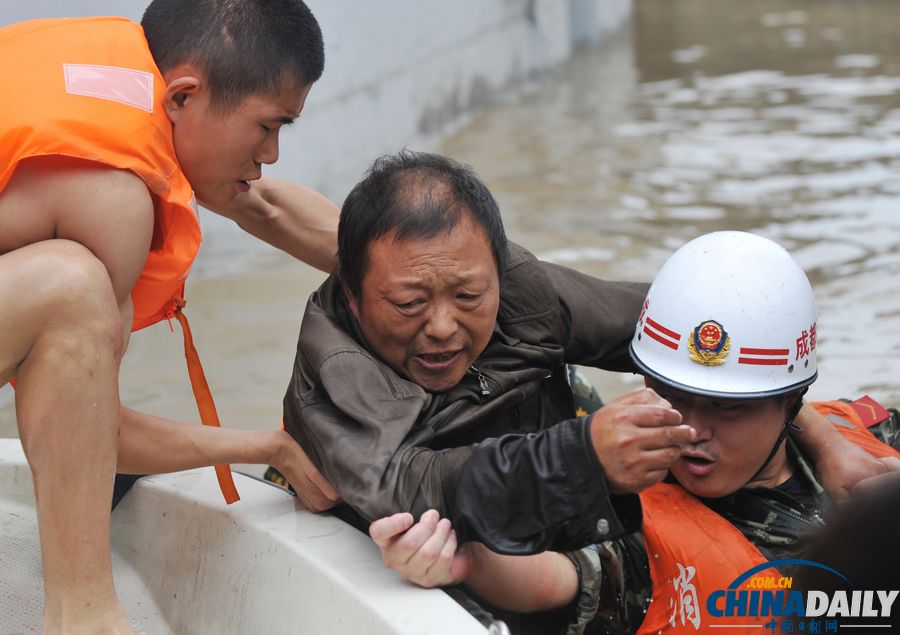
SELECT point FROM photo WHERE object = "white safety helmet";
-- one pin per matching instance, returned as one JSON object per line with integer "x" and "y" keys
{"x": 729, "y": 315}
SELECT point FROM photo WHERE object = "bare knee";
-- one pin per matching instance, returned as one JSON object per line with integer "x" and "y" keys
{"x": 74, "y": 298}
{"x": 75, "y": 343}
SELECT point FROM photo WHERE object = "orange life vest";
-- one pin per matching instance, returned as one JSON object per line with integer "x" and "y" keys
{"x": 693, "y": 551}
{"x": 89, "y": 89}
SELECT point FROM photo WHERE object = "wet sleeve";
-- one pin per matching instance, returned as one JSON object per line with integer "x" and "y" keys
{"x": 522, "y": 494}
{"x": 599, "y": 317}
{"x": 517, "y": 494}
{"x": 361, "y": 428}
{"x": 615, "y": 587}
{"x": 888, "y": 431}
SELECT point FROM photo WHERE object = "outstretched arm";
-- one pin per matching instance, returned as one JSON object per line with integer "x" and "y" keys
{"x": 625, "y": 447}
{"x": 153, "y": 445}
{"x": 291, "y": 217}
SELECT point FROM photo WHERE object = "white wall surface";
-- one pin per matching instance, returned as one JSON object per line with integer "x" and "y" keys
{"x": 399, "y": 73}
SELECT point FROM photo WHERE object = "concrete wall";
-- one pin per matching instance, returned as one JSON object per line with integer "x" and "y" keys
{"x": 406, "y": 77}
{"x": 401, "y": 73}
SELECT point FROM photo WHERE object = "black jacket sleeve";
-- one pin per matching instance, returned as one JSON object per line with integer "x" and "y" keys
{"x": 522, "y": 494}
{"x": 599, "y": 317}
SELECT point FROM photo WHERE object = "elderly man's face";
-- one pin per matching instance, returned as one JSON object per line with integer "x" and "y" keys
{"x": 735, "y": 437}
{"x": 428, "y": 305}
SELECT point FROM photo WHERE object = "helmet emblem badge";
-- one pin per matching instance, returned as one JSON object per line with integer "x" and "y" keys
{"x": 709, "y": 344}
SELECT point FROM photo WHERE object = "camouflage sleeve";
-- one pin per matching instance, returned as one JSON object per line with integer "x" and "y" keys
{"x": 888, "y": 431}
{"x": 615, "y": 586}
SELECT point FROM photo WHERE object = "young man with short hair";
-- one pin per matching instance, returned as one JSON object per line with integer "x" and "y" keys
{"x": 112, "y": 132}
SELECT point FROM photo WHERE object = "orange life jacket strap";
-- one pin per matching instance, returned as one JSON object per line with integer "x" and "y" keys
{"x": 204, "y": 398}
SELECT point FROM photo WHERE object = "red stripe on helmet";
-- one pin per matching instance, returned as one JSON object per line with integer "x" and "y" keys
{"x": 763, "y": 361}
{"x": 659, "y": 338}
{"x": 663, "y": 329}
{"x": 764, "y": 351}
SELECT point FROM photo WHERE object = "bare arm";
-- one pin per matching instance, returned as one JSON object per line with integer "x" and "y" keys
{"x": 426, "y": 553}
{"x": 153, "y": 445}
{"x": 840, "y": 464}
{"x": 291, "y": 217}
{"x": 110, "y": 212}
{"x": 524, "y": 584}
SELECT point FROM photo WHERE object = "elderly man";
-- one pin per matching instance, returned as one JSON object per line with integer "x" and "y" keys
{"x": 738, "y": 496}
{"x": 437, "y": 338}
{"x": 426, "y": 363}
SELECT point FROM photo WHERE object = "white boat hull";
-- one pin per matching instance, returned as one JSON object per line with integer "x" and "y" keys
{"x": 186, "y": 563}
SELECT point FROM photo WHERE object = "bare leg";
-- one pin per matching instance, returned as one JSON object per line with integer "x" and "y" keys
{"x": 61, "y": 336}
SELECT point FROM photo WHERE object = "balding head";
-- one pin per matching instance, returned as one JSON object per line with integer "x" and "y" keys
{"x": 415, "y": 195}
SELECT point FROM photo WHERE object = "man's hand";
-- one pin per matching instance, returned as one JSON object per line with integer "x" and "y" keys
{"x": 840, "y": 464}
{"x": 424, "y": 552}
{"x": 844, "y": 466}
{"x": 313, "y": 490}
{"x": 637, "y": 437}
{"x": 873, "y": 483}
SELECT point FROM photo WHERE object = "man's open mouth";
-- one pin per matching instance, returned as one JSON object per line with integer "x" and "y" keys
{"x": 437, "y": 358}
{"x": 698, "y": 466}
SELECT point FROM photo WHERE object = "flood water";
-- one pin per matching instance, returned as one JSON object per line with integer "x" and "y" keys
{"x": 777, "y": 117}
{"x": 780, "y": 118}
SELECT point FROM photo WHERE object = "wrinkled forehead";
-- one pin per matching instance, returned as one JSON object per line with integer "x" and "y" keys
{"x": 449, "y": 227}
{"x": 459, "y": 252}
